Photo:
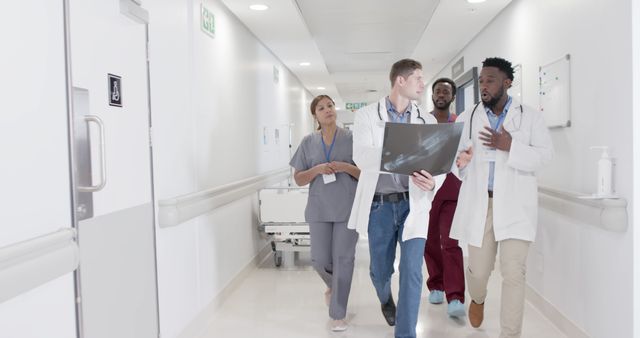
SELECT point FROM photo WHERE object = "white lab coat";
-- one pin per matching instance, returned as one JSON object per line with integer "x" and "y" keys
{"x": 515, "y": 189}
{"x": 368, "y": 134}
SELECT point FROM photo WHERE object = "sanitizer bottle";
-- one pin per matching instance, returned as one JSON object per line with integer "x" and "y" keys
{"x": 605, "y": 173}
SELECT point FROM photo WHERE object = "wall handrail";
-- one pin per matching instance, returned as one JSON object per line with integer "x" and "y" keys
{"x": 177, "y": 210}
{"x": 33, "y": 262}
{"x": 606, "y": 213}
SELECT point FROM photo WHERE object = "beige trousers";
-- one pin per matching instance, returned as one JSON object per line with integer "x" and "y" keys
{"x": 513, "y": 265}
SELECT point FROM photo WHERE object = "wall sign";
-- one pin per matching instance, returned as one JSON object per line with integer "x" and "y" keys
{"x": 115, "y": 90}
{"x": 458, "y": 68}
{"x": 207, "y": 21}
{"x": 353, "y": 106}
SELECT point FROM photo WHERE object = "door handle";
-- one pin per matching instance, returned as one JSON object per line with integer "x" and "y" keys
{"x": 103, "y": 162}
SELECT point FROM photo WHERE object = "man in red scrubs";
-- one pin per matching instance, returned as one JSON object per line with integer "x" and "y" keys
{"x": 442, "y": 254}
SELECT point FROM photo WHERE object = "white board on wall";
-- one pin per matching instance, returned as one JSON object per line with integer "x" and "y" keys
{"x": 555, "y": 92}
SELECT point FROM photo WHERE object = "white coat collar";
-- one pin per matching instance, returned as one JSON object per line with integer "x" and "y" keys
{"x": 514, "y": 110}
{"x": 382, "y": 110}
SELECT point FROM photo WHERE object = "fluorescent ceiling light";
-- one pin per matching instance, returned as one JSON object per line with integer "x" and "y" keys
{"x": 304, "y": 64}
{"x": 259, "y": 7}
{"x": 321, "y": 88}
{"x": 475, "y": 1}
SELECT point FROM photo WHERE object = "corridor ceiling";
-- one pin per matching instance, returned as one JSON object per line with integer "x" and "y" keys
{"x": 351, "y": 44}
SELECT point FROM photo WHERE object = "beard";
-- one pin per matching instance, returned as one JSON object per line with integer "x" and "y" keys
{"x": 491, "y": 103}
{"x": 444, "y": 106}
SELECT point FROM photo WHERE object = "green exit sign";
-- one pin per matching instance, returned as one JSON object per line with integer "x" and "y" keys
{"x": 354, "y": 105}
{"x": 207, "y": 21}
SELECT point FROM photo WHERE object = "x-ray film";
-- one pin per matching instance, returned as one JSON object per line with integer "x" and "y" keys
{"x": 412, "y": 147}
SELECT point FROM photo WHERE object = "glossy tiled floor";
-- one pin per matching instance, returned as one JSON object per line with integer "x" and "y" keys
{"x": 287, "y": 302}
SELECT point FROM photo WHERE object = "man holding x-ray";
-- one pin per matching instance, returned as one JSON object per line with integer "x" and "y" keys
{"x": 393, "y": 209}
{"x": 506, "y": 144}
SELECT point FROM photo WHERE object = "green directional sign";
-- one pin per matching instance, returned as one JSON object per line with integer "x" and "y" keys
{"x": 354, "y": 105}
{"x": 207, "y": 21}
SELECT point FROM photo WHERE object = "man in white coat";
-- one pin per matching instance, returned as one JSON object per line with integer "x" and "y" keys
{"x": 393, "y": 208}
{"x": 506, "y": 144}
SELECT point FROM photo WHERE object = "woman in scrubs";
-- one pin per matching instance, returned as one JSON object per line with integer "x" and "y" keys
{"x": 324, "y": 160}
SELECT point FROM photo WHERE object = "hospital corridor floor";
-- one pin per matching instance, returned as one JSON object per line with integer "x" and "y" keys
{"x": 288, "y": 302}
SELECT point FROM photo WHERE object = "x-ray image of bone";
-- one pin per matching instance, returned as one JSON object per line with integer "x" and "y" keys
{"x": 427, "y": 147}
{"x": 408, "y": 148}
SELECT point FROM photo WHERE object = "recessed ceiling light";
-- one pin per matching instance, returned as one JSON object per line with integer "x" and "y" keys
{"x": 321, "y": 88}
{"x": 259, "y": 7}
{"x": 304, "y": 64}
{"x": 475, "y": 1}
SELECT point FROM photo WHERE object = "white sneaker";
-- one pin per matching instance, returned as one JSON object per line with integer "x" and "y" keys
{"x": 327, "y": 297}
{"x": 338, "y": 325}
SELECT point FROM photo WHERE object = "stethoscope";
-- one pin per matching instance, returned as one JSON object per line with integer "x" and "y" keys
{"x": 417, "y": 108}
{"x": 474, "y": 111}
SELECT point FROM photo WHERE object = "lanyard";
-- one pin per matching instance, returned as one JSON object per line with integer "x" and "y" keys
{"x": 502, "y": 116}
{"x": 324, "y": 146}
{"x": 500, "y": 120}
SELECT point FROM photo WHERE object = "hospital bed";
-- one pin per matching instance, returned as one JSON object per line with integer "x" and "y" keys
{"x": 281, "y": 215}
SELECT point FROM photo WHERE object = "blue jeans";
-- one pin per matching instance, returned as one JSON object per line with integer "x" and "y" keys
{"x": 386, "y": 222}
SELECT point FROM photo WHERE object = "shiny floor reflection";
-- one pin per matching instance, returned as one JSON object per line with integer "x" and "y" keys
{"x": 288, "y": 302}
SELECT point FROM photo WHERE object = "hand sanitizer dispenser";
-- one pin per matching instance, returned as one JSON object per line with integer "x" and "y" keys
{"x": 605, "y": 173}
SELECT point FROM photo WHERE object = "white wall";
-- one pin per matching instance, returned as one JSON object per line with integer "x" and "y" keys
{"x": 636, "y": 162}
{"x": 34, "y": 174}
{"x": 585, "y": 272}
{"x": 212, "y": 99}
{"x": 345, "y": 116}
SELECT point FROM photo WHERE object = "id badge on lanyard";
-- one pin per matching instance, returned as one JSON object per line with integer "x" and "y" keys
{"x": 328, "y": 178}
{"x": 489, "y": 155}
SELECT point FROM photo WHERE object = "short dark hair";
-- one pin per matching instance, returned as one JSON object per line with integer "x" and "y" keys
{"x": 445, "y": 80}
{"x": 403, "y": 68}
{"x": 500, "y": 63}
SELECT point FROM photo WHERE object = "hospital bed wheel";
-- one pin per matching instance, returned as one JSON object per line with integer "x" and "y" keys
{"x": 277, "y": 258}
